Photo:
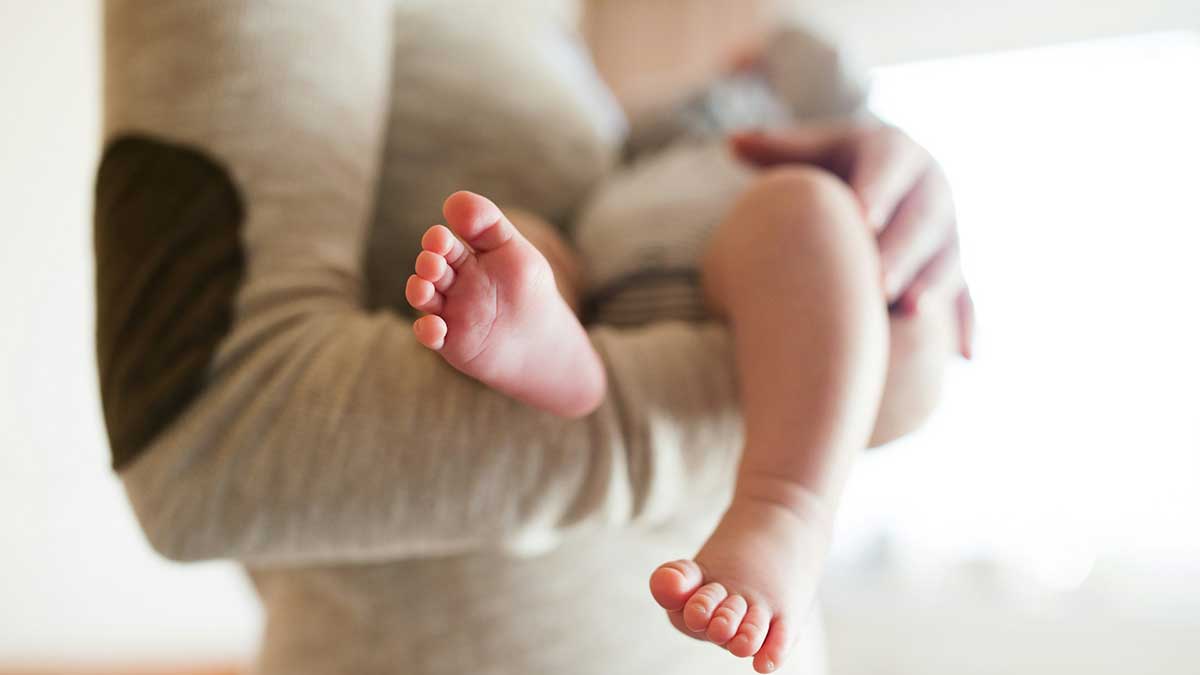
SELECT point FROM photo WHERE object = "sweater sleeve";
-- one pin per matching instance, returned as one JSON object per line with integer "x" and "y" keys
{"x": 255, "y": 409}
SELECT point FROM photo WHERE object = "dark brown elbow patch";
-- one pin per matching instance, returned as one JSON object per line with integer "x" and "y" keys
{"x": 169, "y": 261}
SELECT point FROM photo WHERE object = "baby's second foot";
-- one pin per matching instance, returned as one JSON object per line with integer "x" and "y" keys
{"x": 494, "y": 312}
{"x": 752, "y": 585}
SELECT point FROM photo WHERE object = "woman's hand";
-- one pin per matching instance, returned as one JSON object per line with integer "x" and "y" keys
{"x": 905, "y": 197}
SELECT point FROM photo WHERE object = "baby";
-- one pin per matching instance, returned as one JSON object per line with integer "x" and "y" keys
{"x": 786, "y": 259}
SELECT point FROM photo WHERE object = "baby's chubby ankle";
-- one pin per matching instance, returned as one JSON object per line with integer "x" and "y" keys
{"x": 792, "y": 499}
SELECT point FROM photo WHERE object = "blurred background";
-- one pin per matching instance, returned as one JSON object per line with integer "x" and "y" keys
{"x": 1047, "y": 520}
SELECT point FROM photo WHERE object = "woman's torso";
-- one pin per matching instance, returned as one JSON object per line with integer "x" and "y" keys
{"x": 581, "y": 608}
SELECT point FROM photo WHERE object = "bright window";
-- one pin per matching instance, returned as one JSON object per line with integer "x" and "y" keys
{"x": 1075, "y": 435}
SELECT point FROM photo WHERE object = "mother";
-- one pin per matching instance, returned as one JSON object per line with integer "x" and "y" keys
{"x": 258, "y": 411}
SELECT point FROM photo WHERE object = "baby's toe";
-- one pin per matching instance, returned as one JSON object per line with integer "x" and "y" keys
{"x": 775, "y": 648}
{"x": 751, "y": 634}
{"x": 674, "y": 582}
{"x": 430, "y": 331}
{"x": 440, "y": 240}
{"x": 700, "y": 607}
{"x": 422, "y": 295}
{"x": 726, "y": 619}
{"x": 433, "y": 268}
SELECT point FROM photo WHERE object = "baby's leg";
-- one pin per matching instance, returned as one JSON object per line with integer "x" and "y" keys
{"x": 794, "y": 269}
{"x": 494, "y": 312}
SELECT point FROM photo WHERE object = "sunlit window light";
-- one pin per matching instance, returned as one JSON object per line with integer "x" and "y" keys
{"x": 1075, "y": 435}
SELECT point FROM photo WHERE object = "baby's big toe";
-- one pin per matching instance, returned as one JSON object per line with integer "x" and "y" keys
{"x": 477, "y": 220}
{"x": 674, "y": 582}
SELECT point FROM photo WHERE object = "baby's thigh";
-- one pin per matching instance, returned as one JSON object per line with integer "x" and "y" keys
{"x": 643, "y": 233}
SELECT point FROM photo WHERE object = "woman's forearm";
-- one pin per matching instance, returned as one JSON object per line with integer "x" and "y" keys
{"x": 256, "y": 410}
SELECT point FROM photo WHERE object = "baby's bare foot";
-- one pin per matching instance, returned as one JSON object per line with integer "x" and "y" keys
{"x": 752, "y": 584}
{"x": 494, "y": 312}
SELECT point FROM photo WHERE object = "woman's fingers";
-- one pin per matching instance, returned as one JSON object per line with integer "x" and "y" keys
{"x": 810, "y": 144}
{"x": 966, "y": 323}
{"x": 923, "y": 222}
{"x": 886, "y": 166}
{"x": 940, "y": 280}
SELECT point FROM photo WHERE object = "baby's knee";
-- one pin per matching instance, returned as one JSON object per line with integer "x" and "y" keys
{"x": 797, "y": 193}
{"x": 803, "y": 223}
{"x": 803, "y": 208}
{"x": 806, "y": 216}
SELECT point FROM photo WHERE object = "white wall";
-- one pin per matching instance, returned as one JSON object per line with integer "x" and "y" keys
{"x": 76, "y": 577}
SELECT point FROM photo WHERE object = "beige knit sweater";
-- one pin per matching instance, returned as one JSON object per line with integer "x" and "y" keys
{"x": 396, "y": 517}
